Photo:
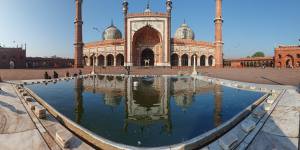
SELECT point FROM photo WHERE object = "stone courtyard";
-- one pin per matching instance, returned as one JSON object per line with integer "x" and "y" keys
{"x": 255, "y": 75}
{"x": 278, "y": 128}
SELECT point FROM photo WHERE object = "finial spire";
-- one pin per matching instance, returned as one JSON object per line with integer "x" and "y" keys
{"x": 148, "y": 4}
{"x": 112, "y": 22}
{"x": 125, "y": 7}
{"x": 169, "y": 6}
{"x": 148, "y": 7}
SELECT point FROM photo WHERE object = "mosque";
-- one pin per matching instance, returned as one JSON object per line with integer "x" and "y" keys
{"x": 147, "y": 41}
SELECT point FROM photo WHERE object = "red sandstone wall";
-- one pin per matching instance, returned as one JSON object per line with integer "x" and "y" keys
{"x": 18, "y": 55}
{"x": 282, "y": 54}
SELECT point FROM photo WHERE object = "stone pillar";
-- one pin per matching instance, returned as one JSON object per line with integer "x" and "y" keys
{"x": 189, "y": 61}
{"x": 179, "y": 61}
{"x": 89, "y": 62}
{"x": 125, "y": 11}
{"x": 115, "y": 61}
{"x": 206, "y": 61}
{"x": 78, "y": 45}
{"x": 218, "y": 34}
{"x": 198, "y": 61}
{"x": 96, "y": 61}
{"x": 105, "y": 61}
{"x": 168, "y": 50}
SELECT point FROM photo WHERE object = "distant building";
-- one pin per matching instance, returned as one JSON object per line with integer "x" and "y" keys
{"x": 15, "y": 58}
{"x": 12, "y": 57}
{"x": 287, "y": 57}
{"x": 250, "y": 62}
{"x": 56, "y": 62}
{"x": 284, "y": 57}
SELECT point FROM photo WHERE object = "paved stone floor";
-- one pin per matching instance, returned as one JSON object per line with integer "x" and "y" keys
{"x": 281, "y": 130}
{"x": 20, "y": 128}
{"x": 17, "y": 130}
{"x": 255, "y": 75}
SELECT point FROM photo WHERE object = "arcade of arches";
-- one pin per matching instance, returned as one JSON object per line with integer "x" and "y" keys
{"x": 108, "y": 60}
{"x": 188, "y": 60}
{"x": 149, "y": 59}
{"x": 250, "y": 62}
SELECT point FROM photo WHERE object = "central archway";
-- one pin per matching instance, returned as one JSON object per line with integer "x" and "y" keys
{"x": 146, "y": 44}
{"x": 147, "y": 58}
{"x": 289, "y": 63}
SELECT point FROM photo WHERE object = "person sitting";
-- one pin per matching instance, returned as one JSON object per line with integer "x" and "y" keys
{"x": 46, "y": 76}
{"x": 80, "y": 72}
{"x": 55, "y": 74}
{"x": 67, "y": 74}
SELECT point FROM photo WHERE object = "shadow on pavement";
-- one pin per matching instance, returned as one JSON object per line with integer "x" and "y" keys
{"x": 272, "y": 81}
{"x": 11, "y": 108}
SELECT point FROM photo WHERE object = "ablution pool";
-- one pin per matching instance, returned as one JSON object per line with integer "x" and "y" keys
{"x": 145, "y": 111}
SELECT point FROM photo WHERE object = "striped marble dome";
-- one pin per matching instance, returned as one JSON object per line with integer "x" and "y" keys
{"x": 184, "y": 32}
{"x": 111, "y": 33}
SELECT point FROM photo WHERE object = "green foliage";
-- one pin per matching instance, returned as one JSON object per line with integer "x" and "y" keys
{"x": 258, "y": 54}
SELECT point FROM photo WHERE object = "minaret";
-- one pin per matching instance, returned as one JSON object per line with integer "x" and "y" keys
{"x": 169, "y": 12}
{"x": 218, "y": 35}
{"x": 125, "y": 11}
{"x": 78, "y": 45}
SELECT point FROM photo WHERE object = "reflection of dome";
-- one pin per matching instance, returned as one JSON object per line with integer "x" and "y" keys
{"x": 183, "y": 101}
{"x": 184, "y": 32}
{"x": 146, "y": 97}
{"x": 112, "y": 100}
{"x": 111, "y": 33}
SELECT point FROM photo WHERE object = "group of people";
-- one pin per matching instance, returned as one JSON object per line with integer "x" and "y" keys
{"x": 55, "y": 74}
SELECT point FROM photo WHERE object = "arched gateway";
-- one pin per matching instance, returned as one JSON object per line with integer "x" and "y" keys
{"x": 147, "y": 57}
{"x": 146, "y": 49}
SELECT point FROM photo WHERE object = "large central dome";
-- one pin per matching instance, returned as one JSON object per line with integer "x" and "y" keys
{"x": 184, "y": 32}
{"x": 111, "y": 33}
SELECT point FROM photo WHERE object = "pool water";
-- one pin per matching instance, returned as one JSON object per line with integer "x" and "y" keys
{"x": 146, "y": 112}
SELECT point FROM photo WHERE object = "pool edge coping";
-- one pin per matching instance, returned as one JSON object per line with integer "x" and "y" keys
{"x": 196, "y": 142}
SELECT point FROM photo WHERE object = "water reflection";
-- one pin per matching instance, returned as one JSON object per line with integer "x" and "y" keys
{"x": 78, "y": 96}
{"x": 147, "y": 100}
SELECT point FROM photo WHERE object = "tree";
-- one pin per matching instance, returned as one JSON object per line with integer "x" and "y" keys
{"x": 258, "y": 54}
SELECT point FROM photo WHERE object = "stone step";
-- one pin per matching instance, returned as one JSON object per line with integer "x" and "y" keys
{"x": 63, "y": 138}
{"x": 40, "y": 111}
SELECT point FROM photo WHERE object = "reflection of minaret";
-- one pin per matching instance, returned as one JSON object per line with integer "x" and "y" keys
{"x": 218, "y": 105}
{"x": 128, "y": 97}
{"x": 167, "y": 100}
{"x": 78, "y": 99}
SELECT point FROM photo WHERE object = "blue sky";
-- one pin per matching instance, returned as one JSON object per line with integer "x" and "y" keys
{"x": 249, "y": 25}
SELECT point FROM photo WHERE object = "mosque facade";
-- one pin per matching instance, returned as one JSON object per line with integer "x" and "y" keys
{"x": 147, "y": 41}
